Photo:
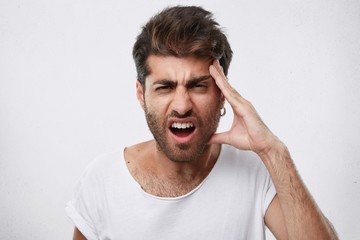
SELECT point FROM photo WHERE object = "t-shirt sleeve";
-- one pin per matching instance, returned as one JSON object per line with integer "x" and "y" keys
{"x": 269, "y": 193}
{"x": 81, "y": 209}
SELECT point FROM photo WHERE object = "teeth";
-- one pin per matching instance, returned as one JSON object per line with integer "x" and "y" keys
{"x": 182, "y": 125}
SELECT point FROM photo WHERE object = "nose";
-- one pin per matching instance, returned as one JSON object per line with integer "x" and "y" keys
{"x": 181, "y": 102}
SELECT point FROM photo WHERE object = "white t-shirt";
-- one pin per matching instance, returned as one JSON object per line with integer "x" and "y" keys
{"x": 229, "y": 204}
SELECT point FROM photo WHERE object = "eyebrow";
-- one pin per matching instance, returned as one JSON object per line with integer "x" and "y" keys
{"x": 190, "y": 83}
{"x": 193, "y": 82}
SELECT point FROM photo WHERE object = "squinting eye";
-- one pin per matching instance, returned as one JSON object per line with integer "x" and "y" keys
{"x": 200, "y": 86}
{"x": 163, "y": 88}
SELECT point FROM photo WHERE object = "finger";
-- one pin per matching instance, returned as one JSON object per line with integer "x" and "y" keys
{"x": 217, "y": 73}
{"x": 239, "y": 104}
{"x": 231, "y": 95}
{"x": 219, "y": 138}
{"x": 224, "y": 138}
{"x": 219, "y": 68}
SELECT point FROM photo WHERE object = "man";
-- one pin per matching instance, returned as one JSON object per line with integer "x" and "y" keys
{"x": 190, "y": 182}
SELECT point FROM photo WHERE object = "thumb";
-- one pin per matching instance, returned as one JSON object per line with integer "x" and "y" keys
{"x": 219, "y": 138}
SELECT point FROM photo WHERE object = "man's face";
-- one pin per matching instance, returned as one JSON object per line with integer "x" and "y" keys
{"x": 182, "y": 105}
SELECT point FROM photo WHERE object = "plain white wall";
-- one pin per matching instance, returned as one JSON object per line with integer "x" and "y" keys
{"x": 67, "y": 94}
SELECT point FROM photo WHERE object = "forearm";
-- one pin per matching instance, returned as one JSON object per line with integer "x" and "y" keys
{"x": 303, "y": 218}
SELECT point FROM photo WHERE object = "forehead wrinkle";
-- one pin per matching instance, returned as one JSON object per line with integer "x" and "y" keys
{"x": 190, "y": 82}
{"x": 178, "y": 70}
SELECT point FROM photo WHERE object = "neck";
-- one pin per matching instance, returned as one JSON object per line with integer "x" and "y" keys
{"x": 160, "y": 176}
{"x": 189, "y": 170}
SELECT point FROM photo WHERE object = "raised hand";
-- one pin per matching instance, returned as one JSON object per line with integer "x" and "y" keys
{"x": 248, "y": 131}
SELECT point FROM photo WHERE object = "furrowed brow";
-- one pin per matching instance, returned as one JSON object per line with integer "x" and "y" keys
{"x": 165, "y": 82}
{"x": 193, "y": 82}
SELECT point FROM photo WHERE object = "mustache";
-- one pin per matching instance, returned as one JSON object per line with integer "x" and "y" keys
{"x": 189, "y": 113}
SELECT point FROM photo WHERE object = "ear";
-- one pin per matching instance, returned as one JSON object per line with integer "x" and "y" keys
{"x": 222, "y": 100}
{"x": 140, "y": 94}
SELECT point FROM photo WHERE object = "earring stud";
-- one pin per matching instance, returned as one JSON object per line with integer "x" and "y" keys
{"x": 222, "y": 112}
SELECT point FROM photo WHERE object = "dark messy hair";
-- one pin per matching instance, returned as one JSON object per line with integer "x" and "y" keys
{"x": 181, "y": 32}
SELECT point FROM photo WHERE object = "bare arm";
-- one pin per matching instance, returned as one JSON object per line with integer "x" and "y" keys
{"x": 293, "y": 208}
{"x": 303, "y": 218}
{"x": 78, "y": 235}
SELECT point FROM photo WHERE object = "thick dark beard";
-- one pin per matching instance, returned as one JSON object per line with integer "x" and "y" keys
{"x": 183, "y": 152}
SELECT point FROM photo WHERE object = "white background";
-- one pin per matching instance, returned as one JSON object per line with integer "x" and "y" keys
{"x": 67, "y": 94}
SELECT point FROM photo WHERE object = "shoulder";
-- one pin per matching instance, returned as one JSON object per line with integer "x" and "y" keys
{"x": 244, "y": 163}
{"x": 106, "y": 161}
{"x": 246, "y": 171}
{"x": 94, "y": 180}
{"x": 104, "y": 165}
{"x": 234, "y": 155}
{"x": 138, "y": 151}
{"x": 91, "y": 192}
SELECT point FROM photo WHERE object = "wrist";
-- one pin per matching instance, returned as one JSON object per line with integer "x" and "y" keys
{"x": 274, "y": 151}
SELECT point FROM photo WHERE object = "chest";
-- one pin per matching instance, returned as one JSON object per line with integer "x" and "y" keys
{"x": 155, "y": 185}
{"x": 210, "y": 212}
{"x": 228, "y": 204}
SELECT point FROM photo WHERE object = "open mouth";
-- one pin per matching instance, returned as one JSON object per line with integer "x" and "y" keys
{"x": 182, "y": 129}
